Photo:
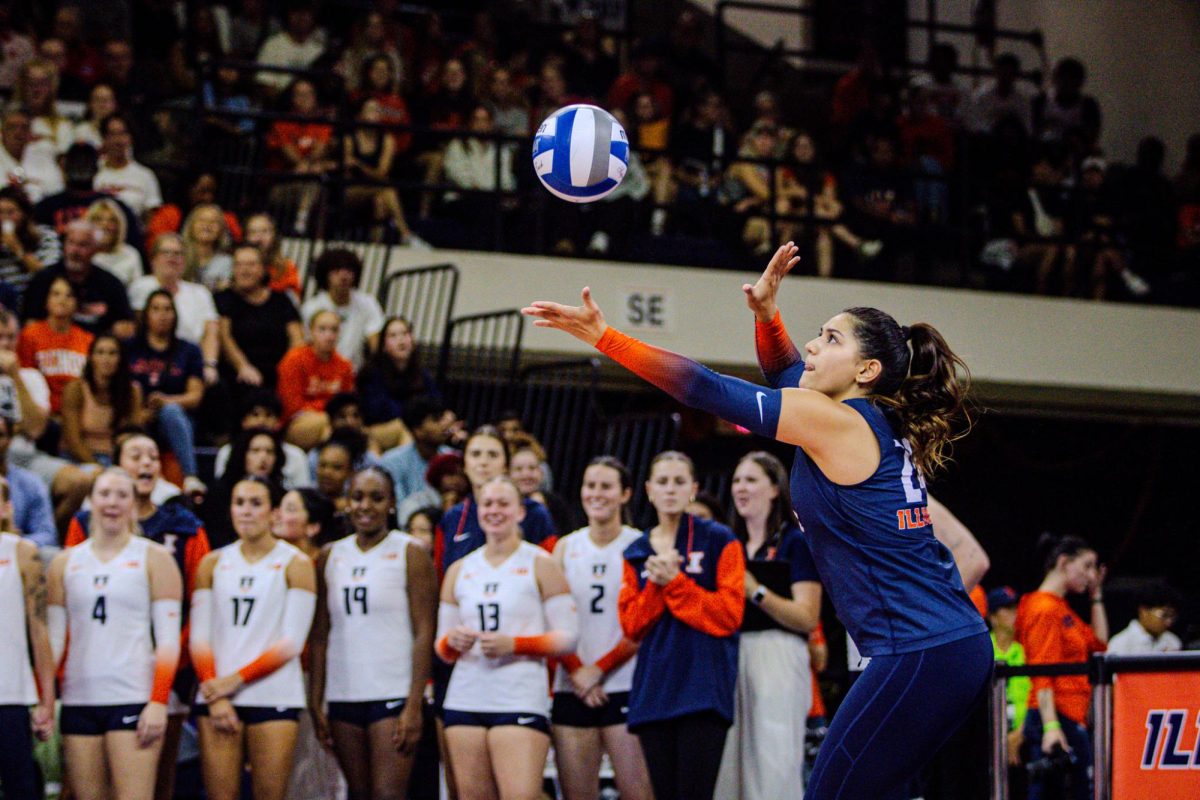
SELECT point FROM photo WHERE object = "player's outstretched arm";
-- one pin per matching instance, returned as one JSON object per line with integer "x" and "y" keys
{"x": 778, "y": 357}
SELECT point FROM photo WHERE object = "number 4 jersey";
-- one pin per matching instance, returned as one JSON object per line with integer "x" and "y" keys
{"x": 370, "y": 628}
{"x": 248, "y": 602}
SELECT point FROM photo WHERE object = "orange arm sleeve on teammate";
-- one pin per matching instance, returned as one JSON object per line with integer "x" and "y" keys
{"x": 639, "y": 609}
{"x": 271, "y": 659}
{"x": 717, "y": 613}
{"x": 548, "y": 543}
{"x": 75, "y": 533}
{"x": 624, "y": 650}
{"x": 570, "y": 663}
{"x": 193, "y": 553}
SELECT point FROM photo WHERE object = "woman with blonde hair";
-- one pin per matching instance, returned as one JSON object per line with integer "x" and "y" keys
{"x": 207, "y": 244}
{"x": 114, "y": 254}
{"x": 37, "y": 92}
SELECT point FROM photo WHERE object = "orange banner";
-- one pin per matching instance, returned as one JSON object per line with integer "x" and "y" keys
{"x": 1156, "y": 736}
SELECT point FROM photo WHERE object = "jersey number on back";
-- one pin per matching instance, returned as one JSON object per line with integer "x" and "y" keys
{"x": 910, "y": 477}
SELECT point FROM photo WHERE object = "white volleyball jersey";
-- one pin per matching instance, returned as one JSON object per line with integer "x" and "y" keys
{"x": 594, "y": 574}
{"x": 247, "y": 618}
{"x": 503, "y": 599}
{"x": 370, "y": 630}
{"x": 110, "y": 651}
{"x": 17, "y": 687}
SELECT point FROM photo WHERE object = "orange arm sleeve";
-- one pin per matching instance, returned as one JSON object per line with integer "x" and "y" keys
{"x": 637, "y": 609}
{"x": 271, "y": 659}
{"x": 543, "y": 645}
{"x": 164, "y": 676}
{"x": 614, "y": 658}
{"x": 75, "y": 533}
{"x": 571, "y": 663}
{"x": 776, "y": 351}
{"x": 195, "y": 551}
{"x": 717, "y": 613}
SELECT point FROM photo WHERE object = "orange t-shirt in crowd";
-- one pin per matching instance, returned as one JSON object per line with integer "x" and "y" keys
{"x": 1052, "y": 633}
{"x": 306, "y": 382}
{"x": 58, "y": 356}
{"x": 286, "y": 279}
{"x": 168, "y": 219}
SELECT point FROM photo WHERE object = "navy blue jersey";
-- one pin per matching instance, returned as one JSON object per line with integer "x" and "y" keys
{"x": 459, "y": 532}
{"x": 687, "y": 630}
{"x": 893, "y": 584}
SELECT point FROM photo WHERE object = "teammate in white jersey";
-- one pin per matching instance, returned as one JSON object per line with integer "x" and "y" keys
{"x": 372, "y": 642}
{"x": 506, "y": 607}
{"x": 251, "y": 610}
{"x": 118, "y": 596}
{"x": 22, "y": 631}
{"x": 591, "y": 689}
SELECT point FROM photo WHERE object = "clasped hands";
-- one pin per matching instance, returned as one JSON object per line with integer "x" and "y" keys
{"x": 662, "y": 568}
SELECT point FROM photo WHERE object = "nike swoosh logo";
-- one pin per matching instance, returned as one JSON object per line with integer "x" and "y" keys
{"x": 526, "y": 720}
{"x": 129, "y": 720}
{"x": 759, "y": 396}
{"x": 390, "y": 704}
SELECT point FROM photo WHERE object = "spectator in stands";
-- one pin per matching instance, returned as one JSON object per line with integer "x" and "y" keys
{"x": 552, "y": 94}
{"x": 747, "y": 189}
{"x": 390, "y": 380}
{"x": 607, "y": 222}
{"x": 25, "y": 246}
{"x": 1148, "y": 210}
{"x": 255, "y": 452}
{"x": 170, "y": 372}
{"x": 335, "y": 464}
{"x": 1042, "y": 223}
{"x": 297, "y": 46}
{"x": 510, "y": 108}
{"x": 527, "y": 468}
{"x": 82, "y": 62}
{"x": 55, "y": 345}
{"x": 207, "y": 242}
{"x": 422, "y": 523}
{"x": 928, "y": 142}
{"x": 428, "y": 420}
{"x": 170, "y": 216}
{"x": 345, "y": 420}
{"x": 53, "y": 50}
{"x": 1150, "y": 631}
{"x": 258, "y": 325}
{"x": 102, "y": 102}
{"x": 940, "y": 87}
{"x": 284, "y": 276}
{"x": 1002, "y": 618}
{"x": 1064, "y": 107}
{"x": 367, "y": 158}
{"x": 471, "y": 163}
{"x": 308, "y": 376}
{"x": 15, "y": 49}
{"x": 381, "y": 84}
{"x": 448, "y": 486}
{"x": 226, "y": 92}
{"x": 24, "y": 164}
{"x": 79, "y": 171}
{"x": 302, "y": 148}
{"x": 262, "y": 409}
{"x": 189, "y": 57}
{"x": 880, "y": 198}
{"x": 588, "y": 67}
{"x": 114, "y": 253}
{"x": 37, "y": 94}
{"x": 339, "y": 272}
{"x": 450, "y": 105}
{"x": 1101, "y": 242}
{"x": 102, "y": 302}
{"x": 32, "y": 514}
{"x": 687, "y": 62}
{"x": 853, "y": 92}
{"x": 375, "y": 39}
{"x": 1000, "y": 97}
{"x": 120, "y": 175}
{"x": 1052, "y": 633}
{"x": 650, "y": 134}
{"x": 249, "y": 26}
{"x": 101, "y": 401}
{"x": 643, "y": 77}
{"x": 137, "y": 86}
{"x": 197, "y": 320}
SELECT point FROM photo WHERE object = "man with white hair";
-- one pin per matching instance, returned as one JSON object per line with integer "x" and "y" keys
{"x": 25, "y": 163}
{"x": 103, "y": 304}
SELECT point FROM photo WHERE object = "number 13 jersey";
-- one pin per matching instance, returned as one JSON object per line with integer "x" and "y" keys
{"x": 247, "y": 618}
{"x": 503, "y": 599}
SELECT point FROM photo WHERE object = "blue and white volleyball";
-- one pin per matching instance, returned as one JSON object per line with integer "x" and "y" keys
{"x": 580, "y": 153}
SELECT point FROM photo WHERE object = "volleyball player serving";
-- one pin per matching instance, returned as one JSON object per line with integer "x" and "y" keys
{"x": 871, "y": 407}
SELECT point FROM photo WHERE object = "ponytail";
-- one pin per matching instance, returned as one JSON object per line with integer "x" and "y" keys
{"x": 1050, "y": 546}
{"x": 926, "y": 385}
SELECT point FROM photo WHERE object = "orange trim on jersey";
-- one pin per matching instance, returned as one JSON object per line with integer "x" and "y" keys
{"x": 272, "y": 659}
{"x": 75, "y": 534}
{"x": 203, "y": 663}
{"x": 571, "y": 663}
{"x": 548, "y": 543}
{"x": 164, "y": 675}
{"x": 445, "y": 651}
{"x": 544, "y": 645}
{"x": 624, "y": 650}
{"x": 638, "y": 609}
{"x": 1052, "y": 633}
{"x": 717, "y": 613}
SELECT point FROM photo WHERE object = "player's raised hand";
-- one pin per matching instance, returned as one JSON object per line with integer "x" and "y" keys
{"x": 584, "y": 322}
{"x": 760, "y": 297}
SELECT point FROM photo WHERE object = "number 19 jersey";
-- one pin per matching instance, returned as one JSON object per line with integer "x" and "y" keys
{"x": 247, "y": 618}
{"x": 370, "y": 629}
{"x": 594, "y": 575}
{"x": 503, "y": 599}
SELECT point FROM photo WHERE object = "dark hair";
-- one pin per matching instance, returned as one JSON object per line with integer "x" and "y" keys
{"x": 80, "y": 165}
{"x": 624, "y": 479}
{"x": 421, "y": 408}
{"x": 1052, "y": 545}
{"x": 236, "y": 469}
{"x": 70, "y": 288}
{"x": 289, "y": 92}
{"x": 352, "y": 441}
{"x": 120, "y": 386}
{"x": 713, "y": 504}
{"x": 431, "y": 513}
{"x": 340, "y": 401}
{"x": 321, "y": 512}
{"x": 141, "y": 336}
{"x": 673, "y": 455}
{"x": 391, "y": 522}
{"x": 260, "y": 398}
{"x": 922, "y": 385}
{"x": 492, "y": 432}
{"x": 781, "y": 516}
{"x": 274, "y": 490}
{"x": 116, "y": 116}
{"x": 124, "y": 435}
{"x": 336, "y": 258}
{"x": 262, "y": 259}
{"x": 440, "y": 466}
{"x": 27, "y": 233}
{"x": 1070, "y": 68}
{"x": 364, "y": 77}
{"x": 397, "y": 383}
{"x": 1157, "y": 594}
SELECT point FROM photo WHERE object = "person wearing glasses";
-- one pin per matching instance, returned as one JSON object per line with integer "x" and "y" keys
{"x": 1150, "y": 630}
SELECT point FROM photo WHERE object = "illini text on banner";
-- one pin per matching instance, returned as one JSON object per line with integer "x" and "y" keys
{"x": 1156, "y": 736}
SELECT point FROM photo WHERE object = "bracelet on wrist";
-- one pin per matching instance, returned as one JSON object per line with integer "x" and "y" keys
{"x": 759, "y": 595}
{"x": 1097, "y": 600}
{"x": 1053, "y": 725}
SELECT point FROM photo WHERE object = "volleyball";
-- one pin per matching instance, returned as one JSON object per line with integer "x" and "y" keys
{"x": 580, "y": 153}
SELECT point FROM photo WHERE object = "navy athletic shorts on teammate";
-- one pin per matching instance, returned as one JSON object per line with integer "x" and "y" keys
{"x": 480, "y": 719}
{"x": 571, "y": 711}
{"x": 98, "y": 720}
{"x": 253, "y": 715}
{"x": 365, "y": 713}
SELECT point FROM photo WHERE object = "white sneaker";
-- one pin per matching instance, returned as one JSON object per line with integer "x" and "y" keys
{"x": 598, "y": 243}
{"x": 870, "y": 248}
{"x": 658, "y": 221}
{"x": 1136, "y": 284}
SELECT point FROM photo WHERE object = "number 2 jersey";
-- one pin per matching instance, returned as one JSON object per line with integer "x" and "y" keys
{"x": 594, "y": 575}
{"x": 248, "y": 602}
{"x": 110, "y": 652}
{"x": 370, "y": 628}
{"x": 502, "y": 599}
